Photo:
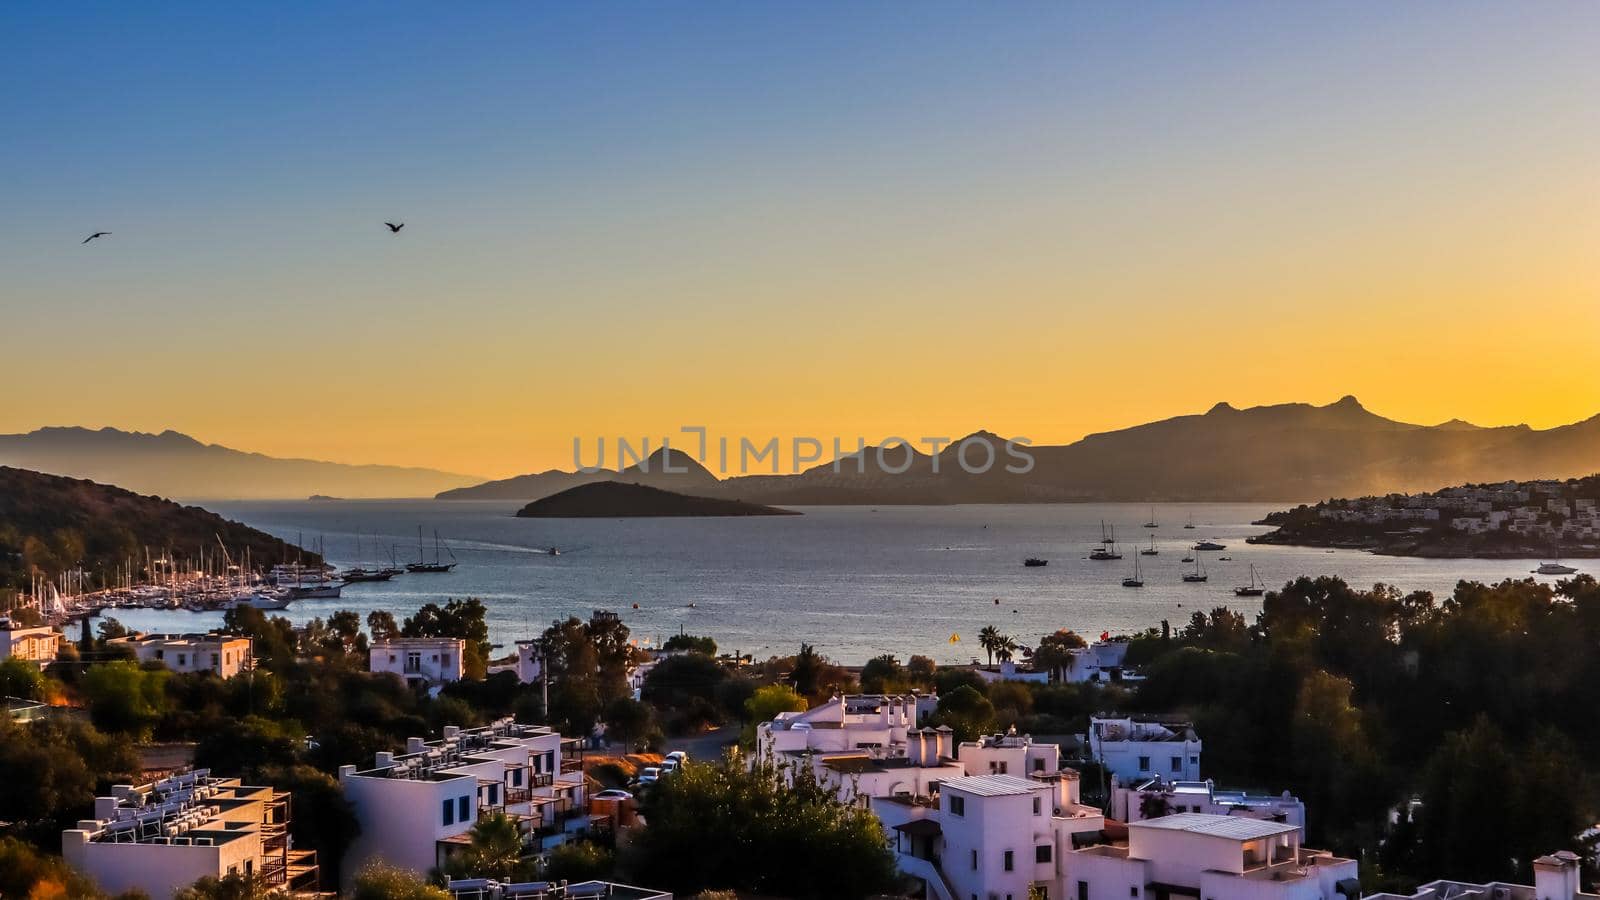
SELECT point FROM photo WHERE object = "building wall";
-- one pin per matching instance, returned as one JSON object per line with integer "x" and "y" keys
{"x": 402, "y": 820}
{"x": 39, "y": 644}
{"x": 437, "y": 661}
{"x": 156, "y": 869}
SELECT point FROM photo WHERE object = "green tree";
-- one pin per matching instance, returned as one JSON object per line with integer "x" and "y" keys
{"x": 463, "y": 619}
{"x": 883, "y": 674}
{"x": 989, "y": 640}
{"x": 580, "y": 861}
{"x": 1055, "y": 653}
{"x": 123, "y": 697}
{"x": 380, "y": 882}
{"x": 230, "y": 887}
{"x": 628, "y": 721}
{"x": 764, "y": 706}
{"x": 20, "y": 678}
{"x": 723, "y": 825}
{"x": 806, "y": 676}
{"x": 28, "y": 872}
{"x": 495, "y": 851}
{"x": 966, "y": 712}
{"x": 692, "y": 643}
{"x": 381, "y": 623}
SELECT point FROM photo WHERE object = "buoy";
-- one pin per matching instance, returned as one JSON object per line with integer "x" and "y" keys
{"x": 636, "y": 606}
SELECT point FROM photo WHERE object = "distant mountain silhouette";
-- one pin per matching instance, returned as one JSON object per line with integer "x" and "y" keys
{"x": 49, "y": 524}
{"x": 619, "y": 500}
{"x": 1285, "y": 452}
{"x": 176, "y": 465}
{"x": 652, "y": 471}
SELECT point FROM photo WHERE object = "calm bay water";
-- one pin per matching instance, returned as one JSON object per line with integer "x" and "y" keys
{"x": 854, "y": 581}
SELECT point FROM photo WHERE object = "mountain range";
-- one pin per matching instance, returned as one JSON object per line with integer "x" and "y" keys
{"x": 171, "y": 464}
{"x": 1284, "y": 452}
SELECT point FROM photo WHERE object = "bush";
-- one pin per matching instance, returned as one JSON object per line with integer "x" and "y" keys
{"x": 381, "y": 882}
{"x": 580, "y": 861}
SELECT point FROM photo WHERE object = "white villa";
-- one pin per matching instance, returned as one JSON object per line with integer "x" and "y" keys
{"x": 220, "y": 654}
{"x": 36, "y": 643}
{"x": 416, "y": 807}
{"x": 1555, "y": 877}
{"x": 1099, "y": 662}
{"x": 990, "y": 836}
{"x": 1138, "y": 748}
{"x": 161, "y": 837}
{"x": 1209, "y": 857}
{"x": 425, "y": 660}
{"x": 1129, "y": 803}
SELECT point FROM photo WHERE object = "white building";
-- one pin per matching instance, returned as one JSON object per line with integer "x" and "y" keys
{"x": 425, "y": 660}
{"x": 990, "y": 836}
{"x": 159, "y": 838}
{"x": 1101, "y": 662}
{"x": 874, "y": 722}
{"x": 38, "y": 643}
{"x": 1138, "y": 748}
{"x": 220, "y": 654}
{"x": 1161, "y": 797}
{"x": 489, "y": 889}
{"x": 1209, "y": 857}
{"x": 416, "y": 807}
{"x": 1555, "y": 877}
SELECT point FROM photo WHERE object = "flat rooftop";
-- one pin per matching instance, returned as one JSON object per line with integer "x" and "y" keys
{"x": 1231, "y": 827}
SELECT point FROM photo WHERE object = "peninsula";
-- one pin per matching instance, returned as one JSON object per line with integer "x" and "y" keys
{"x": 618, "y": 500}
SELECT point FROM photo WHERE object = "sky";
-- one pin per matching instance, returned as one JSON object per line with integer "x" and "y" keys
{"x": 820, "y": 219}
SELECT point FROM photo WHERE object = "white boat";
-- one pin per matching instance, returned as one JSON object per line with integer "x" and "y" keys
{"x": 1137, "y": 579}
{"x": 1551, "y": 568}
{"x": 261, "y": 600}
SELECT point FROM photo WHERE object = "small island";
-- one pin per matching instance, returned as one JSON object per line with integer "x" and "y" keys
{"x": 1505, "y": 520}
{"x": 619, "y": 500}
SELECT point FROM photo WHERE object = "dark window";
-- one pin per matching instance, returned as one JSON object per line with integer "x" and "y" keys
{"x": 1010, "y": 859}
{"x": 1038, "y": 764}
{"x": 1177, "y": 764}
{"x": 1083, "y": 890}
{"x": 464, "y": 808}
{"x": 1144, "y": 763}
{"x": 516, "y": 778}
{"x": 1133, "y": 892}
{"x": 974, "y": 860}
{"x": 1037, "y": 806}
{"x": 449, "y": 813}
{"x": 1041, "y": 853}
{"x": 958, "y": 805}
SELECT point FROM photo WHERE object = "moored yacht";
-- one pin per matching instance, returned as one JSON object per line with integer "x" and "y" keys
{"x": 1551, "y": 568}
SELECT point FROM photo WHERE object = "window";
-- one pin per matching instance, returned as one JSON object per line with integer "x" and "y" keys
{"x": 974, "y": 860}
{"x": 183, "y": 659}
{"x": 494, "y": 795}
{"x": 161, "y": 654}
{"x": 1038, "y": 807}
{"x": 1177, "y": 764}
{"x": 516, "y": 778}
{"x": 958, "y": 805}
{"x": 1083, "y": 890}
{"x": 463, "y": 808}
{"x": 449, "y": 812}
{"x": 1133, "y": 892}
{"x": 214, "y": 659}
{"x": 1041, "y": 853}
{"x": 1194, "y": 760}
{"x": 1144, "y": 763}
{"x": 1010, "y": 860}
{"x": 1038, "y": 764}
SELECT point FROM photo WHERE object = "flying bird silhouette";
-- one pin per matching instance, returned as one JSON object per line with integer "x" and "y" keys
{"x": 95, "y": 235}
{"x": 393, "y": 228}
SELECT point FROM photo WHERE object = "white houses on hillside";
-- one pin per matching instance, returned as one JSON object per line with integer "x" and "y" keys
{"x": 159, "y": 838}
{"x": 990, "y": 836}
{"x": 1136, "y": 748}
{"x": 223, "y": 655}
{"x": 415, "y": 808}
{"x": 1099, "y": 662}
{"x": 1160, "y": 797}
{"x": 36, "y": 643}
{"x": 1209, "y": 857}
{"x": 425, "y": 660}
{"x": 878, "y": 722}
{"x": 1555, "y": 877}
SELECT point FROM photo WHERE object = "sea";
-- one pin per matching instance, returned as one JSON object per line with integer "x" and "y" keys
{"x": 853, "y": 581}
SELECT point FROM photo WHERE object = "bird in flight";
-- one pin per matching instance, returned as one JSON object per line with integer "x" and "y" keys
{"x": 393, "y": 228}
{"x": 95, "y": 235}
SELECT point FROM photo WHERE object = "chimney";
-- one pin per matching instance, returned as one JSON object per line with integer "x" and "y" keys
{"x": 415, "y": 745}
{"x": 943, "y": 743}
{"x": 346, "y": 771}
{"x": 105, "y": 807}
{"x": 1068, "y": 789}
{"x": 1555, "y": 877}
{"x": 383, "y": 759}
{"x": 914, "y": 746}
{"x": 451, "y": 731}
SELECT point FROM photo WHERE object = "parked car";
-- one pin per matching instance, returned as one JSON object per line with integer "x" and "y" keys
{"x": 669, "y": 766}
{"x": 613, "y": 794}
{"x": 649, "y": 775}
{"x": 679, "y": 755}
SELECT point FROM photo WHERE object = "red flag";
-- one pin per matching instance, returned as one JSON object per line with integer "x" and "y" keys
{"x": 1105, "y": 635}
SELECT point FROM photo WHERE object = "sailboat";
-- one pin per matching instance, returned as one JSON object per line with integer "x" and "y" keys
{"x": 1137, "y": 579}
{"x": 358, "y": 573}
{"x": 1152, "y": 523}
{"x": 1108, "y": 544}
{"x": 1199, "y": 573}
{"x": 1254, "y": 589}
{"x": 422, "y": 565}
{"x": 1150, "y": 550}
{"x": 1191, "y": 521}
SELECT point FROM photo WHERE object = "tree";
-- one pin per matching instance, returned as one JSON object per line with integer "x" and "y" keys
{"x": 765, "y": 705}
{"x": 966, "y": 712}
{"x": 921, "y": 670}
{"x": 230, "y": 887}
{"x": 1055, "y": 653}
{"x": 882, "y": 674}
{"x": 807, "y": 670}
{"x": 31, "y": 873}
{"x": 382, "y": 625}
{"x": 628, "y": 721}
{"x": 989, "y": 640}
{"x": 580, "y": 861}
{"x": 62, "y": 761}
{"x": 723, "y": 825}
{"x": 692, "y": 643}
{"x": 495, "y": 851}
{"x": 123, "y": 697}
{"x": 20, "y": 678}
{"x": 381, "y": 882}
{"x": 462, "y": 619}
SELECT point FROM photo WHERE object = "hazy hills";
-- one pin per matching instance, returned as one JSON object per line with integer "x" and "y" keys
{"x": 618, "y": 500}
{"x": 176, "y": 465}
{"x": 1286, "y": 452}
{"x": 652, "y": 472}
{"x": 49, "y": 523}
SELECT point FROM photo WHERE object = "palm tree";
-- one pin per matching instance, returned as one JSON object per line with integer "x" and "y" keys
{"x": 989, "y": 640}
{"x": 496, "y": 846}
{"x": 1006, "y": 648}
